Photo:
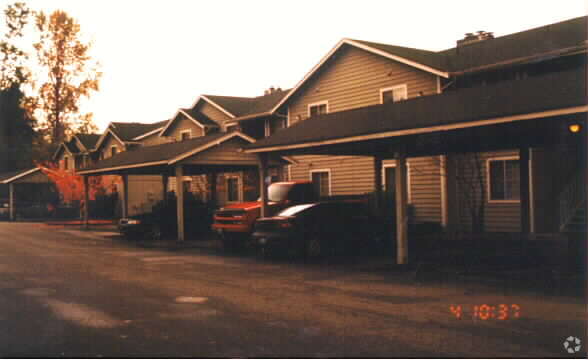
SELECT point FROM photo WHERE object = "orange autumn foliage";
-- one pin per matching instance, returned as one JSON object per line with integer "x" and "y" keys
{"x": 71, "y": 186}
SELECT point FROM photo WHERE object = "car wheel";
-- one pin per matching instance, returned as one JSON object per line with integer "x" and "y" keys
{"x": 313, "y": 249}
{"x": 156, "y": 234}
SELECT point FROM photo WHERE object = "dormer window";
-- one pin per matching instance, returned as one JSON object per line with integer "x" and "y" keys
{"x": 318, "y": 108}
{"x": 65, "y": 162}
{"x": 393, "y": 94}
{"x": 185, "y": 135}
{"x": 113, "y": 150}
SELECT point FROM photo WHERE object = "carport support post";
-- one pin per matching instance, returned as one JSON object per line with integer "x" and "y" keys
{"x": 212, "y": 198}
{"x": 401, "y": 210}
{"x": 11, "y": 200}
{"x": 524, "y": 191}
{"x": 125, "y": 204}
{"x": 86, "y": 200}
{"x": 180, "y": 201}
{"x": 262, "y": 163}
{"x": 377, "y": 184}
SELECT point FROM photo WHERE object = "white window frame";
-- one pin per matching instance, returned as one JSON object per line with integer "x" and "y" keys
{"x": 489, "y": 199}
{"x": 188, "y": 131}
{"x": 328, "y": 171}
{"x": 403, "y": 87}
{"x": 318, "y": 103}
{"x": 239, "y": 188}
{"x": 408, "y": 179}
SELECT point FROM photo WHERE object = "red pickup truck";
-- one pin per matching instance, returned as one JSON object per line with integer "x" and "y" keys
{"x": 234, "y": 223}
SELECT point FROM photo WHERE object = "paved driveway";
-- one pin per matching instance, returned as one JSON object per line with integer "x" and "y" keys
{"x": 66, "y": 295}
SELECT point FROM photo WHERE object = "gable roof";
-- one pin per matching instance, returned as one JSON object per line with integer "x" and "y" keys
{"x": 128, "y": 131}
{"x": 248, "y": 107}
{"x": 162, "y": 154}
{"x": 195, "y": 116}
{"x": 542, "y": 42}
{"x": 531, "y": 45}
{"x": 88, "y": 141}
{"x": 541, "y": 95}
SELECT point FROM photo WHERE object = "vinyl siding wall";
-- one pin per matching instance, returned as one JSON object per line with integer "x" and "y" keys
{"x": 354, "y": 79}
{"x": 499, "y": 216}
{"x": 173, "y": 133}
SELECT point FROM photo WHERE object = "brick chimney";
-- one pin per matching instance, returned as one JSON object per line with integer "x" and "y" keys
{"x": 271, "y": 90}
{"x": 471, "y": 38}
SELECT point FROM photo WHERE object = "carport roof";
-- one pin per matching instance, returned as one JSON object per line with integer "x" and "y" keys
{"x": 163, "y": 154}
{"x": 8, "y": 177}
{"x": 459, "y": 109}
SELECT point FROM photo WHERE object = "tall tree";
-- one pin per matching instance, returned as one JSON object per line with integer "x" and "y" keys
{"x": 16, "y": 125}
{"x": 68, "y": 75}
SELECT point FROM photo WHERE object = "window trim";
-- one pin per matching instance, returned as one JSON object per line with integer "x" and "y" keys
{"x": 328, "y": 171}
{"x": 187, "y": 131}
{"x": 318, "y": 103}
{"x": 488, "y": 179}
{"x": 239, "y": 188}
{"x": 408, "y": 179}
{"x": 392, "y": 88}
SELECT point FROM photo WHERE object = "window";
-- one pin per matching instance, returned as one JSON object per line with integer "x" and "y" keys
{"x": 318, "y": 108}
{"x": 65, "y": 163}
{"x": 113, "y": 150}
{"x": 187, "y": 185}
{"x": 185, "y": 135}
{"x": 321, "y": 180}
{"x": 233, "y": 189}
{"x": 393, "y": 94}
{"x": 504, "y": 181}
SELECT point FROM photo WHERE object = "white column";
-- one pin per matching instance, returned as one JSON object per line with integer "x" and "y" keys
{"x": 180, "y": 201}
{"x": 11, "y": 201}
{"x": 125, "y": 199}
{"x": 262, "y": 160}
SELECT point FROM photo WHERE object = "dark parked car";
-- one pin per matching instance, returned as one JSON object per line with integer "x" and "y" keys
{"x": 315, "y": 230}
{"x": 161, "y": 222}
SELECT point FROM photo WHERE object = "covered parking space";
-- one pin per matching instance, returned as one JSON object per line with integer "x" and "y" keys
{"x": 519, "y": 114}
{"x": 37, "y": 182}
{"x": 210, "y": 154}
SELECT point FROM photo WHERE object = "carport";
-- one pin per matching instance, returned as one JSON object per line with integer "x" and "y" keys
{"x": 210, "y": 154}
{"x": 26, "y": 176}
{"x": 518, "y": 114}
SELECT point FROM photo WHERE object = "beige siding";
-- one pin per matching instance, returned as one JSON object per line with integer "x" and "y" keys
{"x": 225, "y": 153}
{"x": 425, "y": 188}
{"x": 354, "y": 79}
{"x": 153, "y": 139}
{"x": 107, "y": 144}
{"x": 212, "y": 112}
{"x": 499, "y": 216}
{"x": 144, "y": 192}
{"x": 182, "y": 123}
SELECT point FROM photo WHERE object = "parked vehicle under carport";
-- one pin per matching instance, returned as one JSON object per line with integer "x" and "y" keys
{"x": 161, "y": 222}
{"x": 315, "y": 230}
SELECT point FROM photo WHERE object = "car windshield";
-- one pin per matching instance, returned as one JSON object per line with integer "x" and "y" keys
{"x": 293, "y": 210}
{"x": 278, "y": 192}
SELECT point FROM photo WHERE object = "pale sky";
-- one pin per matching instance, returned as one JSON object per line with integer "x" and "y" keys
{"x": 158, "y": 56}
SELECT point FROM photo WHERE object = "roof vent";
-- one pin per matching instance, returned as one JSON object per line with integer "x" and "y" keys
{"x": 471, "y": 38}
